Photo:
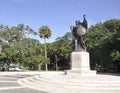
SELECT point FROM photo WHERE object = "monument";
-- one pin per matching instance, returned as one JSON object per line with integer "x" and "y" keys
{"x": 80, "y": 61}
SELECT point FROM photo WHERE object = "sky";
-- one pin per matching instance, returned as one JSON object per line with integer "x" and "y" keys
{"x": 58, "y": 15}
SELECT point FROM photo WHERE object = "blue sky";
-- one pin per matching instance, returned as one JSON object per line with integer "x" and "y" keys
{"x": 57, "y": 14}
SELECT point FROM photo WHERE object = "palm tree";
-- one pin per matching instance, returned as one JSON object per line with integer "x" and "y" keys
{"x": 45, "y": 32}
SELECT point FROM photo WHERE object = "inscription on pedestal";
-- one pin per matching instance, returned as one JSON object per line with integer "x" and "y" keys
{"x": 80, "y": 61}
{"x": 80, "y": 64}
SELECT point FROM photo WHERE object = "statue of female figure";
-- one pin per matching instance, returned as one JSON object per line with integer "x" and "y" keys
{"x": 78, "y": 31}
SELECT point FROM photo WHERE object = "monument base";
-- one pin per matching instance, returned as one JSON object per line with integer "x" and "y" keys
{"x": 80, "y": 64}
{"x": 89, "y": 72}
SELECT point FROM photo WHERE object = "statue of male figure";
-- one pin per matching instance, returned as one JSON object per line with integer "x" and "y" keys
{"x": 78, "y": 31}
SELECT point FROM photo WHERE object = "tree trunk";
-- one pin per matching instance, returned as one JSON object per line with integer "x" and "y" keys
{"x": 45, "y": 54}
{"x": 39, "y": 66}
{"x": 56, "y": 63}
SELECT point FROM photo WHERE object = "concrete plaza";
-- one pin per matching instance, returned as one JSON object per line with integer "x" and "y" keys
{"x": 58, "y": 82}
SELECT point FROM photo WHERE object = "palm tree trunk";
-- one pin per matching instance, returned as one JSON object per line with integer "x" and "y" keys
{"x": 45, "y": 54}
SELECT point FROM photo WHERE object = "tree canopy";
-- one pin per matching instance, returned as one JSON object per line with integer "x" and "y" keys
{"x": 102, "y": 41}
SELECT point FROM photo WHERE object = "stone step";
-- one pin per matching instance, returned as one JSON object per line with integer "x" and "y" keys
{"x": 82, "y": 83}
{"x": 48, "y": 85}
{"x": 27, "y": 83}
{"x": 43, "y": 86}
{"x": 102, "y": 85}
{"x": 45, "y": 83}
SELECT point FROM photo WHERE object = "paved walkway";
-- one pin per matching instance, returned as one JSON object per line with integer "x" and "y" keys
{"x": 57, "y": 82}
{"x": 8, "y": 82}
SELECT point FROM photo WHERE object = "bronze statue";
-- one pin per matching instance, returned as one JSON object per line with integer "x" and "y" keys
{"x": 78, "y": 31}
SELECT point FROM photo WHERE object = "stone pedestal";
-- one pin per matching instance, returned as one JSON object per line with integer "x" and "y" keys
{"x": 80, "y": 64}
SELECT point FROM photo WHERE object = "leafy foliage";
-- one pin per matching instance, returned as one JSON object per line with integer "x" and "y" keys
{"x": 44, "y": 32}
{"x": 15, "y": 47}
{"x": 59, "y": 52}
{"x": 102, "y": 41}
{"x": 104, "y": 45}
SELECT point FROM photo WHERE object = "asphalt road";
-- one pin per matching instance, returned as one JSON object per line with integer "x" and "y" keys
{"x": 8, "y": 84}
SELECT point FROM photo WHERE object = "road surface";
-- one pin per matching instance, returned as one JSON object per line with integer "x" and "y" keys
{"x": 8, "y": 84}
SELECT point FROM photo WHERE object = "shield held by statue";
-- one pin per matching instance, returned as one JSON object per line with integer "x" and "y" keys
{"x": 81, "y": 30}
